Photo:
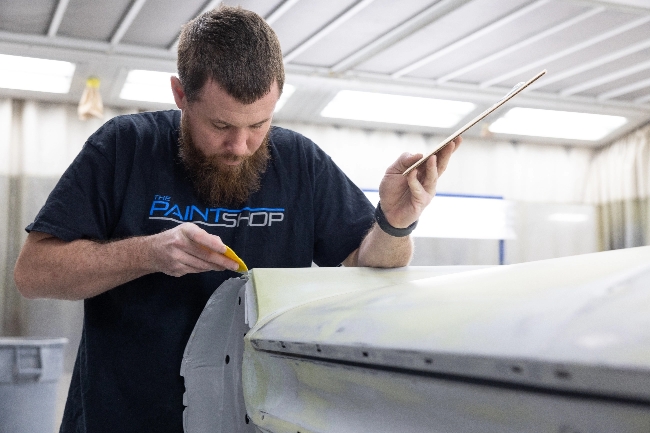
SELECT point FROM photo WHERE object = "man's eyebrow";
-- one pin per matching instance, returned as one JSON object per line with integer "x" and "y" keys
{"x": 261, "y": 122}
{"x": 215, "y": 121}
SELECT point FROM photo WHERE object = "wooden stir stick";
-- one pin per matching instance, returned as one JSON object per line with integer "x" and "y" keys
{"x": 512, "y": 93}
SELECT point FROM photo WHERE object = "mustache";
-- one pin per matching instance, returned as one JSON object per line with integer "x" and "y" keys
{"x": 229, "y": 157}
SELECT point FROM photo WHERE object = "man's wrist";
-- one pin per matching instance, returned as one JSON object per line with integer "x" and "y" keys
{"x": 388, "y": 228}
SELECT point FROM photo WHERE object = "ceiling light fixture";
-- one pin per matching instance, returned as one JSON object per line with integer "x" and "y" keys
{"x": 287, "y": 91}
{"x": 405, "y": 110}
{"x": 38, "y": 75}
{"x": 148, "y": 86}
{"x": 556, "y": 124}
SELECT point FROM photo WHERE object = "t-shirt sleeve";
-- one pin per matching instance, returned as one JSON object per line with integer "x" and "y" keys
{"x": 82, "y": 205}
{"x": 343, "y": 213}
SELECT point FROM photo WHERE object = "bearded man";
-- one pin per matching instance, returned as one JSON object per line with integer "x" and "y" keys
{"x": 142, "y": 216}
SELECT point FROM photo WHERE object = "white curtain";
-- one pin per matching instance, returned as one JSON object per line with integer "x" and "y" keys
{"x": 516, "y": 171}
{"x": 37, "y": 143}
{"x": 618, "y": 183}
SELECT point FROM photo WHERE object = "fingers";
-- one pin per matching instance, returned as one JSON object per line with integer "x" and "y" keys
{"x": 444, "y": 155}
{"x": 189, "y": 249}
{"x": 199, "y": 236}
{"x": 207, "y": 248}
{"x": 428, "y": 174}
{"x": 404, "y": 161}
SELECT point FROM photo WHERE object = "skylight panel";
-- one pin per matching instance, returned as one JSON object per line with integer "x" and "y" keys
{"x": 148, "y": 86}
{"x": 287, "y": 91}
{"x": 556, "y": 124}
{"x": 38, "y": 75}
{"x": 388, "y": 108}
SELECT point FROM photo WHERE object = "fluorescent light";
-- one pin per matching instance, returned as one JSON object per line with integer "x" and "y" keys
{"x": 557, "y": 124}
{"x": 149, "y": 86}
{"x": 568, "y": 217}
{"x": 461, "y": 217}
{"x": 406, "y": 110}
{"x": 39, "y": 75}
{"x": 287, "y": 91}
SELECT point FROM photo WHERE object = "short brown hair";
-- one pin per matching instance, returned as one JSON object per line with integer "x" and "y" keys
{"x": 234, "y": 47}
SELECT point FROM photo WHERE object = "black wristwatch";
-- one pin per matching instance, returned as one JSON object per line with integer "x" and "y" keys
{"x": 386, "y": 227}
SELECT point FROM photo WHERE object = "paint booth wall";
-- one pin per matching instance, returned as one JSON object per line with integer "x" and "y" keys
{"x": 539, "y": 181}
{"x": 39, "y": 140}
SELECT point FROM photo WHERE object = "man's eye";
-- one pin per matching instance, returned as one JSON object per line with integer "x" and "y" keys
{"x": 221, "y": 127}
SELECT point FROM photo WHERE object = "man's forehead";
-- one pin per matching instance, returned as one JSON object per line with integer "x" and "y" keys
{"x": 218, "y": 106}
{"x": 212, "y": 86}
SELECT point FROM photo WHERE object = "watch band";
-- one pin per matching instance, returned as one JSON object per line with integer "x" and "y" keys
{"x": 386, "y": 227}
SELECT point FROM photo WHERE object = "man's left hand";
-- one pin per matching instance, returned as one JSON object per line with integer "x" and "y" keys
{"x": 403, "y": 198}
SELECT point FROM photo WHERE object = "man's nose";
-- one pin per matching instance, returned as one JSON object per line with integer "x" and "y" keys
{"x": 237, "y": 140}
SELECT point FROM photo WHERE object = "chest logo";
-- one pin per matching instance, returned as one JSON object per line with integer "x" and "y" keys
{"x": 162, "y": 208}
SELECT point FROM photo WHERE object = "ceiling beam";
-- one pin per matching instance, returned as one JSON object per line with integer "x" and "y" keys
{"x": 643, "y": 99}
{"x": 280, "y": 10}
{"x": 211, "y": 4}
{"x": 613, "y": 6}
{"x": 563, "y": 53}
{"x": 407, "y": 28}
{"x": 624, "y": 90}
{"x": 84, "y": 46}
{"x": 127, "y": 21}
{"x": 512, "y": 48}
{"x": 599, "y": 61}
{"x": 470, "y": 38}
{"x": 57, "y": 18}
{"x": 466, "y": 91}
{"x": 358, "y": 7}
{"x": 622, "y": 73}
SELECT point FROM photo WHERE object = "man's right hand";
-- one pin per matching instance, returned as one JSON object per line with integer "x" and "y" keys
{"x": 188, "y": 249}
{"x": 49, "y": 267}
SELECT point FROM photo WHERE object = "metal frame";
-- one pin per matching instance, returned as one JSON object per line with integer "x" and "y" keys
{"x": 57, "y": 18}
{"x": 127, "y": 21}
{"x": 559, "y": 76}
{"x": 608, "y": 78}
{"x": 211, "y": 4}
{"x": 624, "y": 89}
{"x": 408, "y": 27}
{"x": 512, "y": 48}
{"x": 358, "y": 7}
{"x": 280, "y": 10}
{"x": 580, "y": 46}
{"x": 470, "y": 38}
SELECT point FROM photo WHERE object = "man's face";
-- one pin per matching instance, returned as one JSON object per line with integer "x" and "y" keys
{"x": 224, "y": 127}
{"x": 224, "y": 142}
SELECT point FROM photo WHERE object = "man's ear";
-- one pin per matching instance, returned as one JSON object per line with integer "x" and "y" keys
{"x": 179, "y": 93}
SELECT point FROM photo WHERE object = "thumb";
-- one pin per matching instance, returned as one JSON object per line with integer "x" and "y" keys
{"x": 404, "y": 161}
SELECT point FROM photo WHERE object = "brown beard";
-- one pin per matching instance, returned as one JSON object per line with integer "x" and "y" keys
{"x": 218, "y": 184}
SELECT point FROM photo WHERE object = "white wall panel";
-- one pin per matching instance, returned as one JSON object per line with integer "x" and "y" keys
{"x": 5, "y": 136}
{"x": 516, "y": 171}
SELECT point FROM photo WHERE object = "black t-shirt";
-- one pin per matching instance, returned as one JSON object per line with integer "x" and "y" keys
{"x": 128, "y": 181}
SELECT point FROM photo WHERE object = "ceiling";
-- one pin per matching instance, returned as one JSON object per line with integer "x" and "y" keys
{"x": 597, "y": 52}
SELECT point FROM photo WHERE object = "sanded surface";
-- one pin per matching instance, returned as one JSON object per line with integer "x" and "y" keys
{"x": 572, "y": 330}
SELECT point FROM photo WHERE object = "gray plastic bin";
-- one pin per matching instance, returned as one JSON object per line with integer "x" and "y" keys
{"x": 29, "y": 371}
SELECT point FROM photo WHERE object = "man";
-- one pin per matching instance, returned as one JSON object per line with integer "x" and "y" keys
{"x": 148, "y": 206}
